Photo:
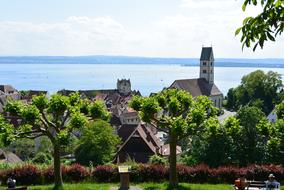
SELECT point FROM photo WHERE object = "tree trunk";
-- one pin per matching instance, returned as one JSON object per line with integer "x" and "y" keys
{"x": 173, "y": 161}
{"x": 58, "y": 184}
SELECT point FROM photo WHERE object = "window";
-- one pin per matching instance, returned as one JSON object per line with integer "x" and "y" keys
{"x": 204, "y": 71}
{"x": 204, "y": 63}
{"x": 211, "y": 63}
{"x": 211, "y": 71}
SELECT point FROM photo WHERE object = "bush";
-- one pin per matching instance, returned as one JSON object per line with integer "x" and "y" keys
{"x": 76, "y": 173}
{"x": 106, "y": 173}
{"x": 48, "y": 175}
{"x": 30, "y": 174}
{"x": 152, "y": 173}
{"x": 24, "y": 175}
{"x": 158, "y": 160}
{"x": 187, "y": 160}
{"x": 42, "y": 158}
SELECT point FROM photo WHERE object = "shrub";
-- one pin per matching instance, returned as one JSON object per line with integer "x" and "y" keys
{"x": 30, "y": 174}
{"x": 48, "y": 175}
{"x": 42, "y": 158}
{"x": 158, "y": 160}
{"x": 24, "y": 175}
{"x": 76, "y": 173}
{"x": 187, "y": 160}
{"x": 106, "y": 173}
{"x": 225, "y": 174}
{"x": 152, "y": 173}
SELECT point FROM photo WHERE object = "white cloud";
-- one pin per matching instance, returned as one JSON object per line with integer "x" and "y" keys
{"x": 75, "y": 35}
{"x": 196, "y": 23}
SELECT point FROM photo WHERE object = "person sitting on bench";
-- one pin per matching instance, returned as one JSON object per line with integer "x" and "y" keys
{"x": 11, "y": 183}
{"x": 272, "y": 184}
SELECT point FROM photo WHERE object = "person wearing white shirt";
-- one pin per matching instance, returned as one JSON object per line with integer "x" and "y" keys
{"x": 272, "y": 184}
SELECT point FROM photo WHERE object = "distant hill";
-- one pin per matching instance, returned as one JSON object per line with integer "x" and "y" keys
{"x": 101, "y": 59}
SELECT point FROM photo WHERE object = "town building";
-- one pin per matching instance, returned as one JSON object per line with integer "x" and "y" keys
{"x": 272, "y": 116}
{"x": 139, "y": 143}
{"x": 7, "y": 92}
{"x": 204, "y": 85}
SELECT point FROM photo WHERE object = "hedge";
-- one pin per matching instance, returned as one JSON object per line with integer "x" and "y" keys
{"x": 29, "y": 174}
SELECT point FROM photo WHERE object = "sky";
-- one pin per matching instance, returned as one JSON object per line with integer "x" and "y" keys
{"x": 150, "y": 28}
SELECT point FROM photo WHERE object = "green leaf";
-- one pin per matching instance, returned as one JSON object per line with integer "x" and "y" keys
{"x": 238, "y": 31}
{"x": 254, "y": 48}
{"x": 270, "y": 37}
{"x": 246, "y": 20}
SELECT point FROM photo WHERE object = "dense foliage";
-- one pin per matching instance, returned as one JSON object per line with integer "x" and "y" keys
{"x": 55, "y": 118}
{"x": 176, "y": 113}
{"x": 266, "y": 26}
{"x": 158, "y": 160}
{"x": 97, "y": 144}
{"x": 258, "y": 89}
{"x": 248, "y": 138}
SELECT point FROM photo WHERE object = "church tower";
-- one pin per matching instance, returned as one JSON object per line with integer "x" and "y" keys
{"x": 207, "y": 64}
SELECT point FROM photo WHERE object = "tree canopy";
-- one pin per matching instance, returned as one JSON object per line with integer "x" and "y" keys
{"x": 256, "y": 89}
{"x": 176, "y": 113}
{"x": 247, "y": 138}
{"x": 97, "y": 144}
{"x": 56, "y": 118}
{"x": 266, "y": 26}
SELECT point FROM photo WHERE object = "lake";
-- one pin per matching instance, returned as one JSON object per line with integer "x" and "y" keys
{"x": 146, "y": 78}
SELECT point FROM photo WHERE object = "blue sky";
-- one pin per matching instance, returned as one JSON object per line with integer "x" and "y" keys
{"x": 156, "y": 28}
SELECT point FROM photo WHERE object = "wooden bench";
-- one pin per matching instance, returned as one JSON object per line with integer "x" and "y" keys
{"x": 248, "y": 185}
{"x": 18, "y": 188}
{"x": 255, "y": 184}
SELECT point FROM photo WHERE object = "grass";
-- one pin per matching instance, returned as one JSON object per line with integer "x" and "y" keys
{"x": 186, "y": 186}
{"x": 78, "y": 186}
{"x": 144, "y": 186}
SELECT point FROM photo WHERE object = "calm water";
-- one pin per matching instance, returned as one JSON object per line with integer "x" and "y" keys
{"x": 144, "y": 77}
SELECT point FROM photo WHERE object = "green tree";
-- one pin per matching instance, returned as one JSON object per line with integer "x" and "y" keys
{"x": 231, "y": 99}
{"x": 257, "y": 89}
{"x": 212, "y": 145}
{"x": 55, "y": 118}
{"x": 176, "y": 113}
{"x": 234, "y": 135}
{"x": 98, "y": 144}
{"x": 253, "y": 145}
{"x": 275, "y": 131}
{"x": 266, "y": 26}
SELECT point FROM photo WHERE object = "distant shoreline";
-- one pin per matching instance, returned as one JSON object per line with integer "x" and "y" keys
{"x": 125, "y": 60}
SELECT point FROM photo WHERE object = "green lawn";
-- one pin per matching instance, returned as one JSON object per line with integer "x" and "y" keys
{"x": 144, "y": 186}
{"x": 186, "y": 186}
{"x": 79, "y": 186}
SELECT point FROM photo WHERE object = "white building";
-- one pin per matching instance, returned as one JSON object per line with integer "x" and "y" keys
{"x": 272, "y": 117}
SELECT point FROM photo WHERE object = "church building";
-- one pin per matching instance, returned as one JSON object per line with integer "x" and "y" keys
{"x": 204, "y": 85}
